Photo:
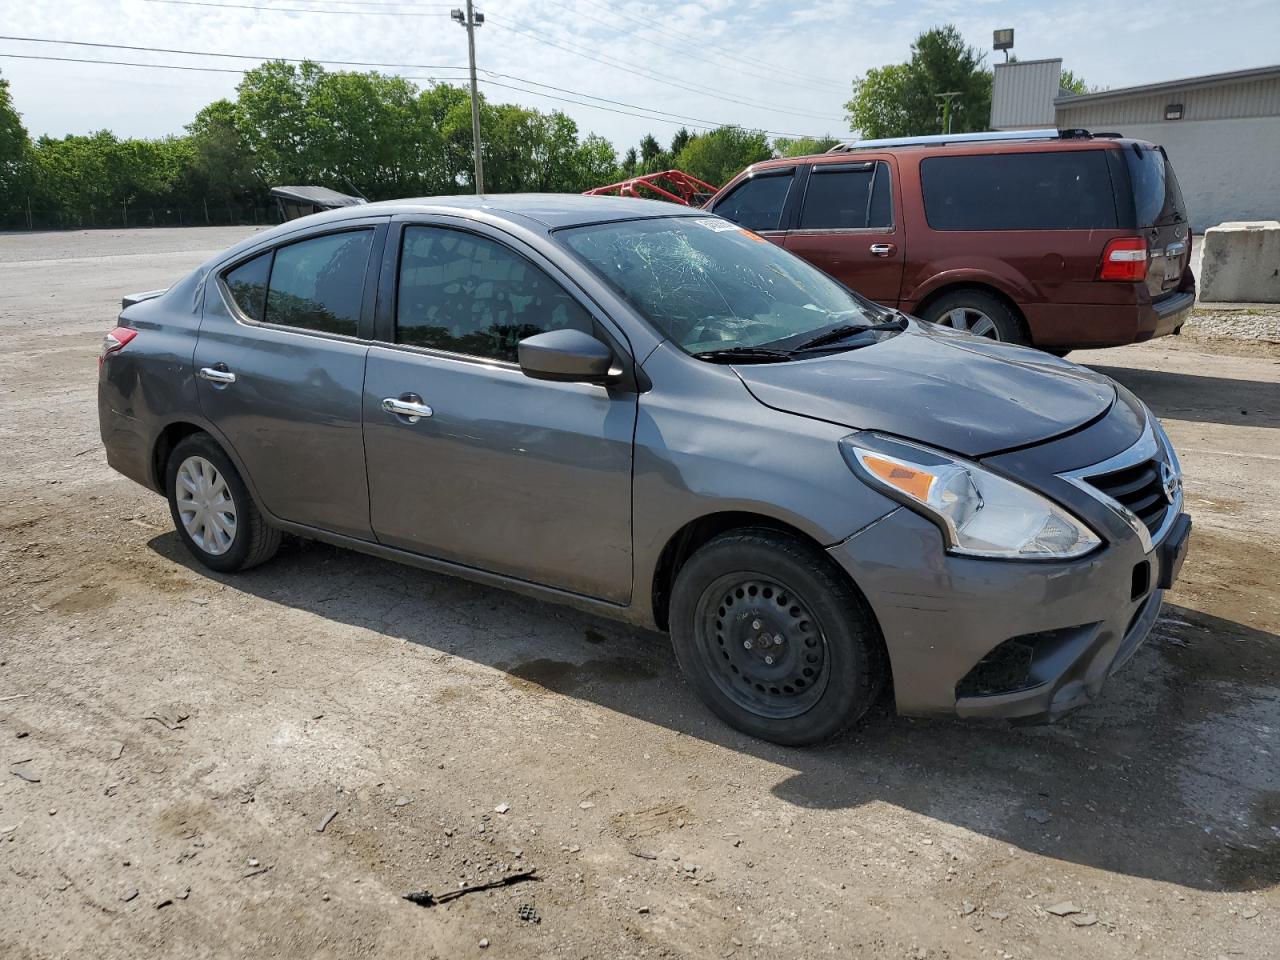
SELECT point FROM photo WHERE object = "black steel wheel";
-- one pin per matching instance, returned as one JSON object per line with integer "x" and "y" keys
{"x": 774, "y": 638}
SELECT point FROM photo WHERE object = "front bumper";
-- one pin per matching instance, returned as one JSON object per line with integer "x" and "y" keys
{"x": 1061, "y": 628}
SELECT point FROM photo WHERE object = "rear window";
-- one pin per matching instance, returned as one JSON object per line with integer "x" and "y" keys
{"x": 1157, "y": 198}
{"x": 757, "y": 203}
{"x": 248, "y": 285}
{"x": 1067, "y": 190}
{"x": 318, "y": 284}
{"x": 847, "y": 196}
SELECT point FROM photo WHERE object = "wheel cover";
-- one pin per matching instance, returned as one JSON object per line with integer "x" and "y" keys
{"x": 206, "y": 508}
{"x": 970, "y": 320}
{"x": 761, "y": 645}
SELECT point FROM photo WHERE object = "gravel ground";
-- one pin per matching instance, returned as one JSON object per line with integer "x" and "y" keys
{"x": 262, "y": 765}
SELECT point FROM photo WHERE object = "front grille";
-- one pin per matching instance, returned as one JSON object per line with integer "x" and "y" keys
{"x": 1138, "y": 488}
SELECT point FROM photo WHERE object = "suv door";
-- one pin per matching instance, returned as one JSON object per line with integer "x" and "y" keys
{"x": 280, "y": 370}
{"x": 848, "y": 227}
{"x": 760, "y": 202}
{"x": 522, "y": 477}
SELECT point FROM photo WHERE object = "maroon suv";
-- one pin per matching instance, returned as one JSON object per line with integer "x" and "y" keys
{"x": 1060, "y": 240}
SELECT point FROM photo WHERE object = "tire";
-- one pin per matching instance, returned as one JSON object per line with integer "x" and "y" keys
{"x": 978, "y": 313}
{"x": 828, "y": 662}
{"x": 200, "y": 474}
{"x": 1058, "y": 351}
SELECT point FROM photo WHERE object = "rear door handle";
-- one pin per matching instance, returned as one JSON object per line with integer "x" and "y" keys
{"x": 214, "y": 375}
{"x": 883, "y": 249}
{"x": 410, "y": 406}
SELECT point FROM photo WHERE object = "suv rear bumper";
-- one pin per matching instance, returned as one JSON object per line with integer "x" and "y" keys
{"x": 1081, "y": 325}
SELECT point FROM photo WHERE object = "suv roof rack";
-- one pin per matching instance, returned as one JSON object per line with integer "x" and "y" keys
{"x": 943, "y": 139}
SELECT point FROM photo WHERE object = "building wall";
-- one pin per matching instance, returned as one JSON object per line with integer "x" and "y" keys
{"x": 1022, "y": 94}
{"x": 1250, "y": 98}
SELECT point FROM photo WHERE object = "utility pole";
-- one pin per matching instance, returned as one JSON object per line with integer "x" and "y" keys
{"x": 946, "y": 99}
{"x": 470, "y": 21}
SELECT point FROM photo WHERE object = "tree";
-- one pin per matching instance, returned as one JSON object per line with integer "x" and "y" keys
{"x": 221, "y": 165}
{"x": 1069, "y": 81}
{"x": 903, "y": 99}
{"x": 680, "y": 140}
{"x": 717, "y": 156}
{"x": 15, "y": 152}
{"x": 802, "y": 146}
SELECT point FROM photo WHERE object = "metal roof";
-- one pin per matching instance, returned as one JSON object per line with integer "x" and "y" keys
{"x": 1205, "y": 80}
{"x": 321, "y": 196}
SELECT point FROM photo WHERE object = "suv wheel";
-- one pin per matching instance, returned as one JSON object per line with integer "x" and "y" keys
{"x": 212, "y": 510}
{"x": 775, "y": 641}
{"x": 978, "y": 313}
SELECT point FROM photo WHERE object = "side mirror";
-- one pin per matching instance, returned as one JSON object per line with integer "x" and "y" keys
{"x": 565, "y": 355}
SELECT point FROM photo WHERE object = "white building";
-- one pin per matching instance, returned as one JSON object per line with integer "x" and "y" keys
{"x": 1222, "y": 131}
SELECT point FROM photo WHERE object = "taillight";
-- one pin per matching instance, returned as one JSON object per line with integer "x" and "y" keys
{"x": 1124, "y": 258}
{"x": 115, "y": 341}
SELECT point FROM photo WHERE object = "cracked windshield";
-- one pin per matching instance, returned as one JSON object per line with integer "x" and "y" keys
{"x": 722, "y": 292}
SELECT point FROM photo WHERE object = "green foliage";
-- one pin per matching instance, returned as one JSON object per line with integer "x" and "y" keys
{"x": 902, "y": 99}
{"x": 1069, "y": 81}
{"x": 15, "y": 150}
{"x": 802, "y": 146}
{"x": 717, "y": 156}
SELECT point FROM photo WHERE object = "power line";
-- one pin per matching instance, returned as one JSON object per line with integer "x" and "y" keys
{"x": 169, "y": 66}
{"x": 353, "y": 13}
{"x": 700, "y": 121}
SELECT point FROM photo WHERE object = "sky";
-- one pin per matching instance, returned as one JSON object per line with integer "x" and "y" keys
{"x": 780, "y": 65}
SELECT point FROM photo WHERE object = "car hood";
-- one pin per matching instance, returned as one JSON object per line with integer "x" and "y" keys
{"x": 961, "y": 393}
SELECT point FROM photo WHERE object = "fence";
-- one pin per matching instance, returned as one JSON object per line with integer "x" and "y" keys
{"x": 204, "y": 215}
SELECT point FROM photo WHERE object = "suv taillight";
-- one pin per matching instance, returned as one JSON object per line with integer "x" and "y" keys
{"x": 1124, "y": 258}
{"x": 114, "y": 342}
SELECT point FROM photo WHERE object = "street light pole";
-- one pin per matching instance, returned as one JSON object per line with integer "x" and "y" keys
{"x": 470, "y": 21}
{"x": 946, "y": 99}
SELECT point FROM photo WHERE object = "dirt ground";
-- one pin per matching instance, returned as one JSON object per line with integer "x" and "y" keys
{"x": 457, "y": 734}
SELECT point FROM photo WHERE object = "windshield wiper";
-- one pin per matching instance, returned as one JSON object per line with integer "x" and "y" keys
{"x": 745, "y": 355}
{"x": 847, "y": 330}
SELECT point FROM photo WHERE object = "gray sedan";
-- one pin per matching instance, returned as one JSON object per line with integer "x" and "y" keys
{"x": 650, "y": 413}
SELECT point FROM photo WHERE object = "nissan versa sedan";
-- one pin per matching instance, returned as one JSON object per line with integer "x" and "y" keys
{"x": 653, "y": 414}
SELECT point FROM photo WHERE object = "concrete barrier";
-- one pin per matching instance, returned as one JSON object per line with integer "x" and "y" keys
{"x": 1241, "y": 263}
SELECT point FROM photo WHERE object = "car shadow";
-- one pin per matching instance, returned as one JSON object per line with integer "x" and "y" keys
{"x": 1187, "y": 396}
{"x": 1160, "y": 779}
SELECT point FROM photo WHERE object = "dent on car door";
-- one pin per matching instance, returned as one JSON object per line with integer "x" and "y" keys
{"x": 280, "y": 371}
{"x": 848, "y": 227}
{"x": 489, "y": 468}
{"x": 761, "y": 203}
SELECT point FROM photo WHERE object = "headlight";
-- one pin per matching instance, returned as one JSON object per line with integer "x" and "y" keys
{"x": 980, "y": 513}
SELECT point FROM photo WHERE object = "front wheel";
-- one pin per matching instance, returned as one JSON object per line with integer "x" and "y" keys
{"x": 774, "y": 639}
{"x": 213, "y": 512}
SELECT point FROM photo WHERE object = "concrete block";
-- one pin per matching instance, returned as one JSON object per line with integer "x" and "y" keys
{"x": 1241, "y": 263}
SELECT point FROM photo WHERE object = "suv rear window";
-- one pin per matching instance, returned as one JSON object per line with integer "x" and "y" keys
{"x": 847, "y": 196}
{"x": 1067, "y": 190}
{"x": 757, "y": 203}
{"x": 1157, "y": 199}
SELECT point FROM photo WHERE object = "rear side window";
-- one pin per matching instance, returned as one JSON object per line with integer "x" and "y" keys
{"x": 852, "y": 196}
{"x": 1067, "y": 190}
{"x": 757, "y": 202}
{"x": 468, "y": 294}
{"x": 248, "y": 285}
{"x": 318, "y": 284}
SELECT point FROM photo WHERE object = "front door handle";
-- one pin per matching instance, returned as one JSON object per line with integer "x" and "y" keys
{"x": 217, "y": 375}
{"x": 883, "y": 249}
{"x": 409, "y": 406}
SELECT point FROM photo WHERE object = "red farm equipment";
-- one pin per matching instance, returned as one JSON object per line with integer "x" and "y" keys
{"x": 673, "y": 185}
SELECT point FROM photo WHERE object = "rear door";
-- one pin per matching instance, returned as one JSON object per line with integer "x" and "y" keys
{"x": 526, "y": 478}
{"x": 848, "y": 227}
{"x": 762, "y": 202}
{"x": 1161, "y": 216}
{"x": 280, "y": 371}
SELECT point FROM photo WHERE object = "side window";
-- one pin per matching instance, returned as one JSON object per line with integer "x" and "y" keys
{"x": 847, "y": 196}
{"x": 468, "y": 294}
{"x": 1058, "y": 190}
{"x": 757, "y": 203}
{"x": 318, "y": 284}
{"x": 248, "y": 285}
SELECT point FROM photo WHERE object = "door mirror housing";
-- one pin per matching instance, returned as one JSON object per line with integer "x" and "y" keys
{"x": 567, "y": 356}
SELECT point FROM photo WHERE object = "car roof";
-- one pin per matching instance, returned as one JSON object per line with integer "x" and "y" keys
{"x": 552, "y": 210}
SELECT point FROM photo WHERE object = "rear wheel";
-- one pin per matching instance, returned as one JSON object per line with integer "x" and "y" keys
{"x": 978, "y": 313}
{"x": 212, "y": 510}
{"x": 774, "y": 639}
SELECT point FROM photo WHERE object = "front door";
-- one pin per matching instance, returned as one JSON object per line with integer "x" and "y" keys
{"x": 280, "y": 372}
{"x": 848, "y": 228}
{"x": 760, "y": 203}
{"x": 520, "y": 477}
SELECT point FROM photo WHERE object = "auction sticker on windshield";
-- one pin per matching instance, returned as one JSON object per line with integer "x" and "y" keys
{"x": 716, "y": 224}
